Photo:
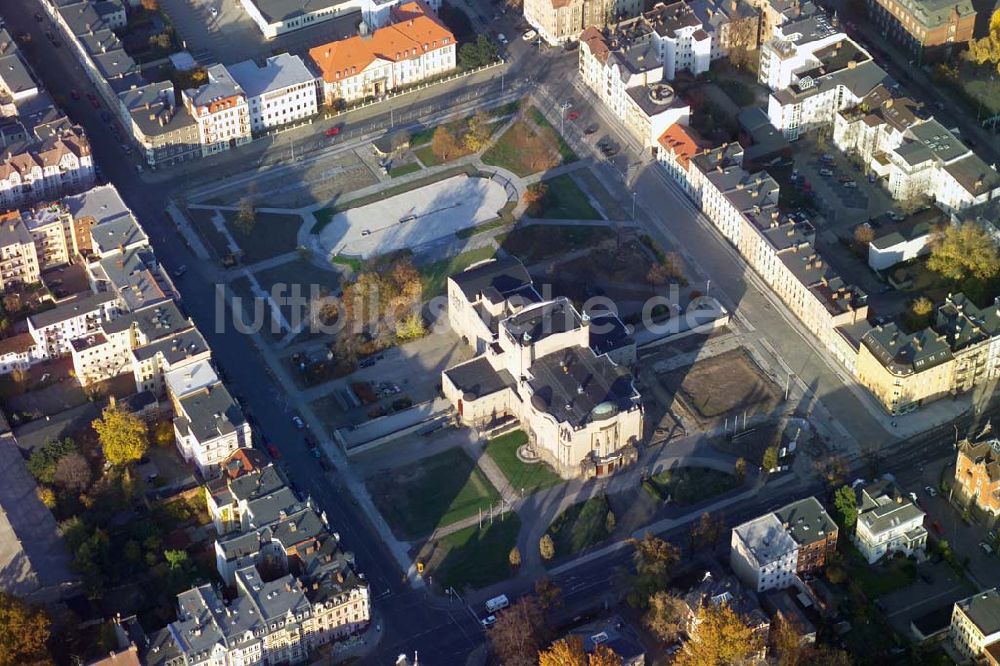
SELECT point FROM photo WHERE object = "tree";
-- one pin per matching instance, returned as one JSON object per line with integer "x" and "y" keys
{"x": 564, "y": 652}
{"x": 548, "y": 593}
{"x": 411, "y": 327}
{"x": 519, "y": 633}
{"x": 721, "y": 637}
{"x": 864, "y": 234}
{"x": 533, "y": 197}
{"x": 603, "y": 656}
{"x": 770, "y": 459}
{"x": 740, "y": 469}
{"x": 546, "y": 547}
{"x": 654, "y": 559}
{"x": 42, "y": 462}
{"x": 176, "y": 559}
{"x": 833, "y": 470}
{"x": 163, "y": 433}
{"x": 151, "y": 5}
{"x": 786, "y": 642}
{"x": 743, "y": 35}
{"x": 159, "y": 42}
{"x": 610, "y": 522}
{"x": 478, "y": 54}
{"x": 444, "y": 145}
{"x": 846, "y": 505}
{"x": 987, "y": 49}
{"x": 514, "y": 557}
{"x": 24, "y": 629}
{"x": 246, "y": 216}
{"x": 478, "y": 133}
{"x": 46, "y": 496}
{"x": 918, "y": 316}
{"x": 72, "y": 473}
{"x": 123, "y": 436}
{"x": 666, "y": 615}
{"x": 707, "y": 532}
{"x": 964, "y": 251}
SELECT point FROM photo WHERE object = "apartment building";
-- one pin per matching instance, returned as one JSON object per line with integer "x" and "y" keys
{"x": 975, "y": 623}
{"x": 562, "y": 21}
{"x": 153, "y": 361}
{"x": 276, "y": 622}
{"x": 624, "y": 67}
{"x": 793, "y": 43}
{"x": 417, "y": 46}
{"x": 538, "y": 366}
{"x": 51, "y": 228}
{"x": 931, "y": 27}
{"x": 46, "y": 168}
{"x": 19, "y": 352}
{"x": 281, "y": 92}
{"x": 208, "y": 427}
{"x": 815, "y": 532}
{"x": 888, "y": 522}
{"x": 732, "y": 25}
{"x": 18, "y": 254}
{"x": 245, "y": 476}
{"x": 677, "y": 146}
{"x": 77, "y": 317}
{"x": 163, "y": 129}
{"x": 977, "y": 474}
{"x": 220, "y": 111}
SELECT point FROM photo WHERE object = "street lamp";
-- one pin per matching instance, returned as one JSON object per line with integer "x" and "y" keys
{"x": 633, "y": 206}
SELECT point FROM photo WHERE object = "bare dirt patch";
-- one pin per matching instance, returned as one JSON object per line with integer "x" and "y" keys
{"x": 721, "y": 385}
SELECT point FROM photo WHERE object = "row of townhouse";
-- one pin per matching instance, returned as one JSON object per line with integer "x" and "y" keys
{"x": 42, "y": 154}
{"x": 914, "y": 155}
{"x": 317, "y": 597}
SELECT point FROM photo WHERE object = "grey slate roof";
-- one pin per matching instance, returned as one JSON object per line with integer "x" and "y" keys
{"x": 541, "y": 320}
{"x": 152, "y": 323}
{"x": 282, "y": 10}
{"x": 75, "y": 307}
{"x": 280, "y": 71}
{"x": 210, "y": 413}
{"x": 14, "y": 74}
{"x": 905, "y": 353}
{"x": 110, "y": 235}
{"x": 807, "y": 520}
{"x": 102, "y": 203}
{"x": 504, "y": 275}
{"x": 478, "y": 378}
{"x": 220, "y": 85}
{"x": 983, "y": 609}
{"x": 174, "y": 349}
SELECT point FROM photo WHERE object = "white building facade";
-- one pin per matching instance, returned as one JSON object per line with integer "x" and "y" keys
{"x": 281, "y": 92}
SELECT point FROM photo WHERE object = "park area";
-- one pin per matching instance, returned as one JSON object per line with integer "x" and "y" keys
{"x": 580, "y": 526}
{"x": 434, "y": 492}
{"x": 560, "y": 198}
{"x": 528, "y": 146}
{"x": 689, "y": 485}
{"x": 524, "y": 478}
{"x": 725, "y": 384}
{"x": 472, "y": 557}
{"x": 532, "y": 243}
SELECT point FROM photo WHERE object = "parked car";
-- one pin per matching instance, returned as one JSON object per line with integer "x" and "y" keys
{"x": 826, "y": 158}
{"x": 851, "y": 185}
{"x": 529, "y": 35}
{"x": 936, "y": 526}
{"x": 273, "y": 450}
{"x": 332, "y": 131}
{"x": 573, "y": 115}
{"x": 590, "y": 129}
{"x": 488, "y": 621}
{"x": 299, "y": 423}
{"x": 826, "y": 172}
{"x": 502, "y": 39}
{"x": 986, "y": 548}
{"x": 930, "y": 491}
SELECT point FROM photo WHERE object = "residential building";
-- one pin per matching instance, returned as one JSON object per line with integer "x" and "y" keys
{"x": 900, "y": 246}
{"x": 220, "y": 110}
{"x": 43, "y": 169}
{"x": 678, "y": 144}
{"x": 732, "y": 25}
{"x": 283, "y": 91}
{"x": 925, "y": 27}
{"x": 276, "y": 17}
{"x": 282, "y": 621}
{"x": 792, "y": 44}
{"x": 537, "y": 366}
{"x": 812, "y": 528}
{"x": 208, "y": 426}
{"x": 716, "y": 589}
{"x": 112, "y": 13}
{"x": 959, "y": 351}
{"x": 77, "y": 317}
{"x": 888, "y": 522}
{"x": 245, "y": 476}
{"x": 562, "y": 21}
{"x": 615, "y": 633}
{"x": 151, "y": 362}
{"x": 127, "y": 657}
{"x": 163, "y": 129}
{"x": 763, "y": 554}
{"x": 772, "y": 551}
{"x": 975, "y": 623}
{"x": 417, "y": 46}
{"x": 977, "y": 474}
{"x": 19, "y": 352}
{"x": 625, "y": 68}
{"x": 18, "y": 255}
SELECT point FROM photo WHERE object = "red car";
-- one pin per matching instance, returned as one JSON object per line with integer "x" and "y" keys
{"x": 572, "y": 115}
{"x": 273, "y": 450}
{"x": 74, "y": 93}
{"x": 333, "y": 131}
{"x": 937, "y": 528}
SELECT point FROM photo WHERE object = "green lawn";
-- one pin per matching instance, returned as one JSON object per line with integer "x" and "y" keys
{"x": 580, "y": 526}
{"x": 431, "y": 493}
{"x": 879, "y": 579}
{"x": 435, "y": 276}
{"x": 476, "y": 558}
{"x": 565, "y": 151}
{"x": 271, "y": 235}
{"x": 404, "y": 170}
{"x": 601, "y": 194}
{"x": 525, "y": 150}
{"x": 536, "y": 242}
{"x": 522, "y": 477}
{"x": 202, "y": 220}
{"x": 564, "y": 200}
{"x": 691, "y": 485}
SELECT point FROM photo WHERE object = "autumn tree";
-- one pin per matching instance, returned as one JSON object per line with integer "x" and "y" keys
{"x": 743, "y": 36}
{"x": 987, "y": 49}
{"x": 707, "y": 532}
{"x": 72, "y": 473}
{"x": 918, "y": 315}
{"x": 514, "y": 557}
{"x": 384, "y": 303}
{"x": 654, "y": 559}
{"x": 122, "y": 435}
{"x": 548, "y": 593}
{"x": 603, "y": 655}
{"x": 246, "y": 216}
{"x": 533, "y": 197}
{"x": 564, "y": 652}
{"x": 786, "y": 642}
{"x": 151, "y": 5}
{"x": 770, "y": 459}
{"x": 846, "y": 506}
{"x": 964, "y": 251}
{"x": 610, "y": 522}
{"x": 46, "y": 496}
{"x": 547, "y": 547}
{"x": 478, "y": 133}
{"x": 519, "y": 633}
{"x": 722, "y": 637}
{"x": 24, "y": 629}
{"x": 444, "y": 144}
{"x": 666, "y": 615}
{"x": 740, "y": 469}
{"x": 833, "y": 470}
{"x": 864, "y": 234}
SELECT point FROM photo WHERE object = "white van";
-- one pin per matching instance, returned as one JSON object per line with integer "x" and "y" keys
{"x": 497, "y": 603}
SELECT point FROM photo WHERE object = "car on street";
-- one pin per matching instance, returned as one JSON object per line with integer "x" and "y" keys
{"x": 273, "y": 450}
{"x": 214, "y": 11}
{"x": 591, "y": 129}
{"x": 529, "y": 35}
{"x": 851, "y": 185}
{"x": 930, "y": 491}
{"x": 826, "y": 172}
{"x": 986, "y": 548}
{"x": 488, "y": 621}
{"x": 502, "y": 39}
{"x": 367, "y": 362}
{"x": 573, "y": 115}
{"x": 332, "y": 131}
{"x": 299, "y": 423}
{"x": 936, "y": 526}
{"x": 826, "y": 158}
{"x": 181, "y": 270}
